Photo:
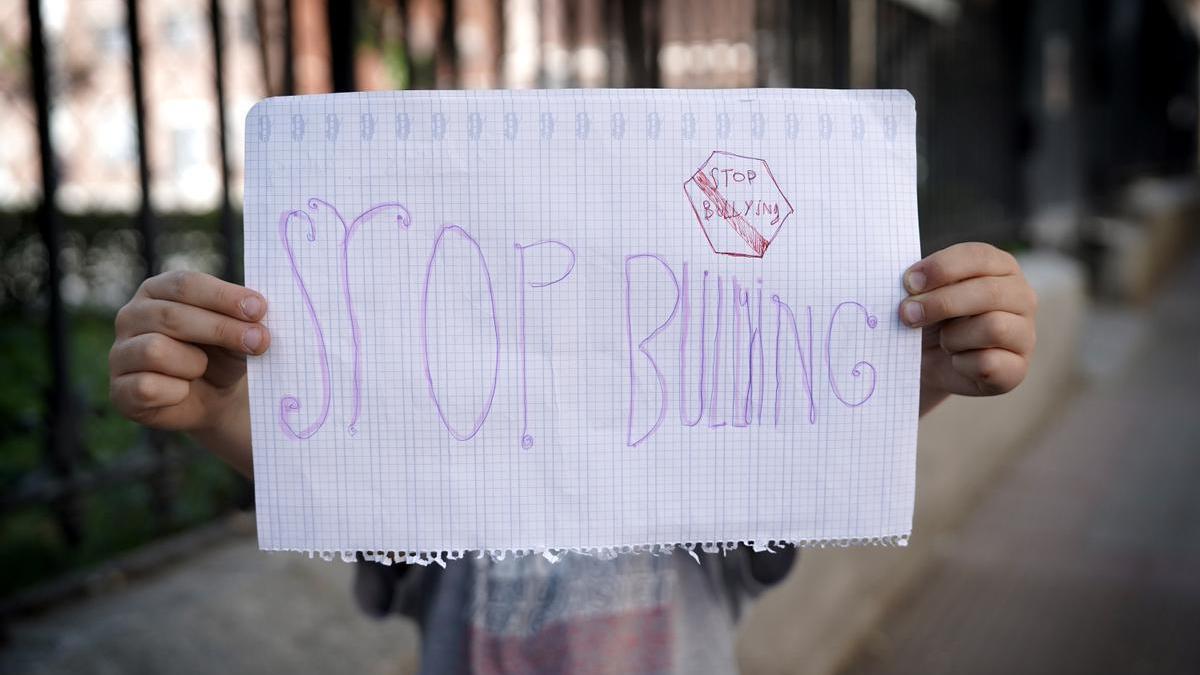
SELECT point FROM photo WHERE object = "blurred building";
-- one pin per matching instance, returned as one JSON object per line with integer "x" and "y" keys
{"x": 1028, "y": 108}
{"x": 93, "y": 122}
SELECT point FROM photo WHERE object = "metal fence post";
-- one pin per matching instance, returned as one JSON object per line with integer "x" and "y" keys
{"x": 63, "y": 447}
{"x": 289, "y": 50}
{"x": 160, "y": 479}
{"x": 145, "y": 219}
{"x": 448, "y": 47}
{"x": 340, "y": 14}
{"x": 641, "y": 43}
{"x": 840, "y": 43}
{"x": 232, "y": 258}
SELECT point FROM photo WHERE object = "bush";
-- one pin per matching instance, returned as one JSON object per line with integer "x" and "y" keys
{"x": 101, "y": 268}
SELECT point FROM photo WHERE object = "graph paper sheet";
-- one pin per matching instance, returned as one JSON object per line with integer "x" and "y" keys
{"x": 582, "y": 320}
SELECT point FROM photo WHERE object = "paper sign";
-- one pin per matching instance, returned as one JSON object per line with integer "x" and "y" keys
{"x": 582, "y": 320}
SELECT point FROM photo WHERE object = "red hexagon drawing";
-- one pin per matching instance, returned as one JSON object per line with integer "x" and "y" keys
{"x": 738, "y": 203}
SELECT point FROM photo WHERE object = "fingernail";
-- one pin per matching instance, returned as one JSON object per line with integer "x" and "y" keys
{"x": 912, "y": 312}
{"x": 252, "y": 339}
{"x": 252, "y": 307}
{"x": 914, "y": 281}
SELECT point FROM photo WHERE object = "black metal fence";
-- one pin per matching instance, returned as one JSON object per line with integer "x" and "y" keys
{"x": 68, "y": 473}
{"x": 964, "y": 72}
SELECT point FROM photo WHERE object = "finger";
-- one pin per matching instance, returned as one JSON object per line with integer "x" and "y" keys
{"x": 134, "y": 393}
{"x": 195, "y": 324}
{"x": 968, "y": 298}
{"x": 183, "y": 416}
{"x": 1003, "y": 330}
{"x": 207, "y": 291}
{"x": 957, "y": 263}
{"x": 938, "y": 375}
{"x": 994, "y": 371}
{"x": 155, "y": 352}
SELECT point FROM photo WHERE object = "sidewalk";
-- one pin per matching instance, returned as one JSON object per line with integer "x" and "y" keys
{"x": 229, "y": 610}
{"x": 1085, "y": 556}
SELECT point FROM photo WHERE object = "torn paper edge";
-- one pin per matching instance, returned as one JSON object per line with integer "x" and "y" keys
{"x": 553, "y": 555}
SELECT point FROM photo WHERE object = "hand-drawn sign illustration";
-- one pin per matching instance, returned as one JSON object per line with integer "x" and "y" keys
{"x": 738, "y": 203}
{"x": 513, "y": 363}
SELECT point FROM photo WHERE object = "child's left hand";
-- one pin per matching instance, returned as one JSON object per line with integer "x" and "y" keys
{"x": 977, "y": 312}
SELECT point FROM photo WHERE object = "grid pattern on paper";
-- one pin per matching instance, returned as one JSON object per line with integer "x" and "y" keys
{"x": 455, "y": 328}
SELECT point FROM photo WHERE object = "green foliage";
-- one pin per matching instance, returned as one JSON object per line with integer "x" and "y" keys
{"x": 24, "y": 362}
{"x": 116, "y": 518}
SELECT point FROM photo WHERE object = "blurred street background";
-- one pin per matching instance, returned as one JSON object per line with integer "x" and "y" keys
{"x": 1057, "y": 528}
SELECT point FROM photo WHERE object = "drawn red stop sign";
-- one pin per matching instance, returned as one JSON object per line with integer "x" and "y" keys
{"x": 738, "y": 203}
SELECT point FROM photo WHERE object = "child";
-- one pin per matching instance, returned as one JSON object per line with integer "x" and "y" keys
{"x": 178, "y": 362}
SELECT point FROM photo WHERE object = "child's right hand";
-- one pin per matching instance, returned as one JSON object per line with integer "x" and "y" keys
{"x": 179, "y": 358}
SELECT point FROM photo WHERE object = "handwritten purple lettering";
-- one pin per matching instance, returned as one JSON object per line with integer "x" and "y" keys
{"x": 526, "y": 439}
{"x": 745, "y": 348}
{"x": 756, "y": 347}
{"x": 403, "y": 220}
{"x": 683, "y": 339}
{"x": 481, "y": 417}
{"x": 856, "y": 371}
{"x": 716, "y": 370}
{"x": 290, "y": 404}
{"x": 805, "y": 357}
{"x": 662, "y": 382}
{"x": 740, "y": 300}
{"x": 741, "y": 357}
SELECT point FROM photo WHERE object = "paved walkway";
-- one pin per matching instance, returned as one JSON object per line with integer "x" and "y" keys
{"x": 229, "y": 610}
{"x": 1085, "y": 557}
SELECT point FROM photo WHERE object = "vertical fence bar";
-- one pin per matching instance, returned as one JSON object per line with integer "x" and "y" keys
{"x": 635, "y": 44}
{"x": 447, "y": 51}
{"x": 62, "y": 432}
{"x": 289, "y": 50}
{"x": 266, "y": 60}
{"x": 793, "y": 42}
{"x": 862, "y": 17}
{"x": 232, "y": 257}
{"x": 616, "y": 48}
{"x": 160, "y": 480}
{"x": 340, "y": 14}
{"x": 653, "y": 41}
{"x": 231, "y": 241}
{"x": 145, "y": 218}
{"x": 406, "y": 43}
{"x": 811, "y": 36}
{"x": 840, "y": 43}
{"x": 498, "y": 41}
{"x": 421, "y": 54}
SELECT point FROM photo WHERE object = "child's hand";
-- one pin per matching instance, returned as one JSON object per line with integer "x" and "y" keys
{"x": 977, "y": 311}
{"x": 179, "y": 359}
